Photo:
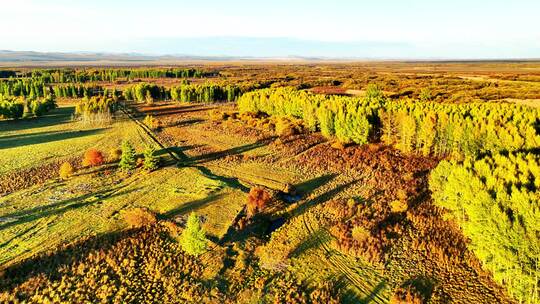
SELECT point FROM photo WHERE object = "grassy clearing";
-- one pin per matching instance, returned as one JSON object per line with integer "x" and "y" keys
{"x": 42, "y": 217}
{"x": 33, "y": 142}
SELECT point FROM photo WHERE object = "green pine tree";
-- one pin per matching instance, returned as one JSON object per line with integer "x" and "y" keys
{"x": 193, "y": 239}
{"x": 151, "y": 161}
{"x": 127, "y": 161}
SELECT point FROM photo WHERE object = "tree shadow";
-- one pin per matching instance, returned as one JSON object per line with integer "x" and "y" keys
{"x": 192, "y": 206}
{"x": 257, "y": 226}
{"x": 43, "y": 137}
{"x": 32, "y": 214}
{"x": 200, "y": 159}
{"x": 371, "y": 296}
{"x": 232, "y": 182}
{"x": 184, "y": 123}
{"x": 424, "y": 285}
{"x": 172, "y": 111}
{"x": 347, "y": 295}
{"x": 311, "y": 241}
{"x": 326, "y": 196}
{"x": 314, "y": 183}
{"x": 57, "y": 116}
{"x": 175, "y": 154}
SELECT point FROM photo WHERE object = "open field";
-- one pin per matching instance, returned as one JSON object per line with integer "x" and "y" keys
{"x": 313, "y": 183}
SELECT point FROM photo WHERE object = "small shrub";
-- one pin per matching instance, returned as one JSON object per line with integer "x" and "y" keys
{"x": 66, "y": 170}
{"x": 151, "y": 122}
{"x": 114, "y": 155}
{"x": 398, "y": 206}
{"x": 217, "y": 115}
{"x": 338, "y": 145}
{"x": 139, "y": 217}
{"x": 93, "y": 157}
{"x": 193, "y": 239}
{"x": 359, "y": 233}
{"x": 402, "y": 195}
{"x": 284, "y": 127}
{"x": 127, "y": 161}
{"x": 151, "y": 161}
{"x": 172, "y": 228}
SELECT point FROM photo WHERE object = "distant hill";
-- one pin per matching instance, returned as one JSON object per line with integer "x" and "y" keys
{"x": 30, "y": 58}
{"x": 26, "y": 56}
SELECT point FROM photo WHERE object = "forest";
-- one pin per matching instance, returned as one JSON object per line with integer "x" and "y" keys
{"x": 237, "y": 182}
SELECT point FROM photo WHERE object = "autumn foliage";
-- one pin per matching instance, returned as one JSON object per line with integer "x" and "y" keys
{"x": 93, "y": 157}
{"x": 66, "y": 170}
{"x": 258, "y": 198}
{"x": 139, "y": 217}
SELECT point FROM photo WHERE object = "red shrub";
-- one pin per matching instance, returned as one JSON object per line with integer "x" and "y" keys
{"x": 93, "y": 157}
{"x": 258, "y": 198}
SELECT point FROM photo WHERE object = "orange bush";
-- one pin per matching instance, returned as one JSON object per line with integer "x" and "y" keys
{"x": 93, "y": 157}
{"x": 139, "y": 217}
{"x": 258, "y": 198}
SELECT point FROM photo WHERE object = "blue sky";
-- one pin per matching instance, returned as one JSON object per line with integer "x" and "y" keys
{"x": 347, "y": 28}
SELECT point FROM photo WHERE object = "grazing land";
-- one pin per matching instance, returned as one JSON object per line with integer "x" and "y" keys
{"x": 265, "y": 182}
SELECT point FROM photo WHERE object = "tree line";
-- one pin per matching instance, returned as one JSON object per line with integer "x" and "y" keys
{"x": 17, "y": 107}
{"x": 207, "y": 92}
{"x": 96, "y": 104}
{"x": 459, "y": 130}
{"x": 438, "y": 129}
{"x": 496, "y": 201}
{"x": 92, "y": 75}
{"x": 76, "y": 91}
{"x": 24, "y": 87}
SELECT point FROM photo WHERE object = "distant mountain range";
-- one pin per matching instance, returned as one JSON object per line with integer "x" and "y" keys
{"x": 30, "y": 56}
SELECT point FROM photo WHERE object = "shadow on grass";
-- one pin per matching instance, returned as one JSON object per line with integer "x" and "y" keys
{"x": 374, "y": 293}
{"x": 57, "y": 116}
{"x": 178, "y": 152}
{"x": 42, "y": 137}
{"x": 256, "y": 227}
{"x": 192, "y": 206}
{"x": 200, "y": 159}
{"x": 311, "y": 241}
{"x": 185, "y": 123}
{"x": 232, "y": 182}
{"x": 328, "y": 195}
{"x": 36, "y": 213}
{"x": 312, "y": 184}
{"x": 349, "y": 296}
{"x": 186, "y": 109}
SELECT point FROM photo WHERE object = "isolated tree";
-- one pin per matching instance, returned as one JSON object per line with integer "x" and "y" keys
{"x": 151, "y": 161}
{"x": 258, "y": 198}
{"x": 193, "y": 239}
{"x": 127, "y": 161}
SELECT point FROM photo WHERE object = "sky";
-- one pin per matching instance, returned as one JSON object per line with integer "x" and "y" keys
{"x": 397, "y": 29}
